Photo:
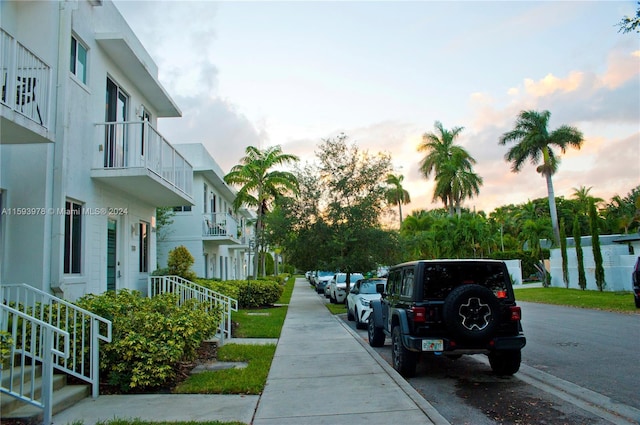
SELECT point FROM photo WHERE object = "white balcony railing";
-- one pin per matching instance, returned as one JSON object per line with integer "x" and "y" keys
{"x": 25, "y": 80}
{"x": 136, "y": 144}
{"x": 219, "y": 224}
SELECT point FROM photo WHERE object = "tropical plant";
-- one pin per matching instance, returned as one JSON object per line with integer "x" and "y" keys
{"x": 261, "y": 185}
{"x": 535, "y": 142}
{"x": 451, "y": 165}
{"x": 396, "y": 194}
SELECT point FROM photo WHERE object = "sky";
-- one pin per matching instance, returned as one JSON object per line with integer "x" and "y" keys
{"x": 293, "y": 73}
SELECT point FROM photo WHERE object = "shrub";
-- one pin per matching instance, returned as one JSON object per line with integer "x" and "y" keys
{"x": 150, "y": 336}
{"x": 250, "y": 294}
{"x": 180, "y": 262}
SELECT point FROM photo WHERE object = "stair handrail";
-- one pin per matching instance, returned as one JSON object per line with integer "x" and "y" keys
{"x": 186, "y": 290}
{"x": 86, "y": 329}
{"x": 38, "y": 341}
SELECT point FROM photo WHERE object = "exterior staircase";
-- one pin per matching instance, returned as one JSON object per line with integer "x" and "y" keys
{"x": 64, "y": 395}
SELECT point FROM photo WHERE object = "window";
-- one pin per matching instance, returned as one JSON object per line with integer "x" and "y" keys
{"x": 206, "y": 192}
{"x": 145, "y": 116}
{"x": 78, "y": 65}
{"x": 143, "y": 234}
{"x": 116, "y": 111}
{"x": 72, "y": 237}
{"x": 185, "y": 208}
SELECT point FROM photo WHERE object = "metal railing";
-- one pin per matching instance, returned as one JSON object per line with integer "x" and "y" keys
{"x": 136, "y": 144}
{"x": 32, "y": 341}
{"x": 85, "y": 329}
{"x": 219, "y": 224}
{"x": 25, "y": 80}
{"x": 187, "y": 290}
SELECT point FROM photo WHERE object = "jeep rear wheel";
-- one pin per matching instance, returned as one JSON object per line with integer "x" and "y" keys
{"x": 404, "y": 361}
{"x": 376, "y": 335}
{"x": 506, "y": 362}
{"x": 471, "y": 313}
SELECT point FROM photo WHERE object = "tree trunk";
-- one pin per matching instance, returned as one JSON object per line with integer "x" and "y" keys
{"x": 552, "y": 210}
{"x": 400, "y": 208}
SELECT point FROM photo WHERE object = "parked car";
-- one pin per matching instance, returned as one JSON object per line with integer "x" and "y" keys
{"x": 450, "y": 308}
{"x": 635, "y": 277}
{"x": 359, "y": 298}
{"x": 307, "y": 275}
{"x": 338, "y": 286}
{"x": 322, "y": 280}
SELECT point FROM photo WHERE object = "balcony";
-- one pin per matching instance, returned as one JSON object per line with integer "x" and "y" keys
{"x": 133, "y": 157}
{"x": 25, "y": 97}
{"x": 221, "y": 228}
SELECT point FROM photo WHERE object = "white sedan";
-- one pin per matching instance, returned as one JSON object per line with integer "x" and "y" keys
{"x": 338, "y": 286}
{"x": 360, "y": 297}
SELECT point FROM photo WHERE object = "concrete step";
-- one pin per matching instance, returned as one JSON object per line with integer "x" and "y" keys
{"x": 63, "y": 398}
{"x": 9, "y": 403}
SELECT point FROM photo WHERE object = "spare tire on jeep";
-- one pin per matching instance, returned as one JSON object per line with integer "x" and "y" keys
{"x": 471, "y": 312}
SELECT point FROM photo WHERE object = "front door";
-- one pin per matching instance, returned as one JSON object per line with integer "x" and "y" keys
{"x": 112, "y": 261}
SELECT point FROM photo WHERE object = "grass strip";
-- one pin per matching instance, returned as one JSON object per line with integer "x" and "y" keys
{"x": 621, "y": 301}
{"x": 259, "y": 322}
{"x": 250, "y": 380}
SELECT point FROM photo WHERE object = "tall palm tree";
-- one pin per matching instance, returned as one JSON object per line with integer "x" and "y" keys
{"x": 260, "y": 184}
{"x": 535, "y": 142}
{"x": 396, "y": 194}
{"x": 446, "y": 159}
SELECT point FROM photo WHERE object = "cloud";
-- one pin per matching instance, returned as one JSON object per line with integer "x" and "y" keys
{"x": 551, "y": 84}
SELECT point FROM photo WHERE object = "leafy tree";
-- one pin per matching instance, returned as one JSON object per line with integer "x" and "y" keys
{"x": 164, "y": 219}
{"x": 630, "y": 23}
{"x": 396, "y": 194}
{"x": 595, "y": 246}
{"x": 261, "y": 185}
{"x": 535, "y": 142}
{"x": 353, "y": 189}
{"x": 451, "y": 164}
{"x": 582, "y": 279}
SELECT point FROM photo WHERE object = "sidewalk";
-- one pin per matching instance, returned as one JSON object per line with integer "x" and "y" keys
{"x": 321, "y": 374}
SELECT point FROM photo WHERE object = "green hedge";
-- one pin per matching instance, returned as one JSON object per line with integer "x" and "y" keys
{"x": 149, "y": 336}
{"x": 250, "y": 294}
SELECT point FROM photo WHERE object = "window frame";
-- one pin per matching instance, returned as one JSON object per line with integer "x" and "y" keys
{"x": 72, "y": 255}
{"x": 75, "y": 59}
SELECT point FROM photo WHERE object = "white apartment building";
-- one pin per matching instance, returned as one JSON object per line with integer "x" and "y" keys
{"x": 82, "y": 167}
{"x": 216, "y": 236}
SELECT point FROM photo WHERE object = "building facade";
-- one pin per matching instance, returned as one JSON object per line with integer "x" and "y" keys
{"x": 82, "y": 167}
{"x": 215, "y": 235}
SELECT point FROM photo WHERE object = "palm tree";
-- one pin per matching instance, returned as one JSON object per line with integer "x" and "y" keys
{"x": 585, "y": 200}
{"x": 447, "y": 160}
{"x": 396, "y": 194}
{"x": 534, "y": 142}
{"x": 260, "y": 185}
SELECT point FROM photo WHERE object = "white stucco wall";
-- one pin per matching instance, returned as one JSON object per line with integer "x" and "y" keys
{"x": 617, "y": 263}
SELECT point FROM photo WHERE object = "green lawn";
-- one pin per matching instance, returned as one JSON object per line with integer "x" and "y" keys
{"x": 610, "y": 301}
{"x": 140, "y": 422}
{"x": 249, "y": 380}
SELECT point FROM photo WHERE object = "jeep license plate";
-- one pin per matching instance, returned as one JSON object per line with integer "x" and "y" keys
{"x": 432, "y": 345}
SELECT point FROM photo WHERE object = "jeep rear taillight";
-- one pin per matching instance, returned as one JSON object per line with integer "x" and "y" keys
{"x": 419, "y": 314}
{"x": 516, "y": 313}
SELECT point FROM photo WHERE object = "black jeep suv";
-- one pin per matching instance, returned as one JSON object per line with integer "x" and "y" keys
{"x": 449, "y": 307}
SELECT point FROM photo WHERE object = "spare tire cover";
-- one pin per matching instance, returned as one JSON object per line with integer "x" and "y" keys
{"x": 471, "y": 312}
